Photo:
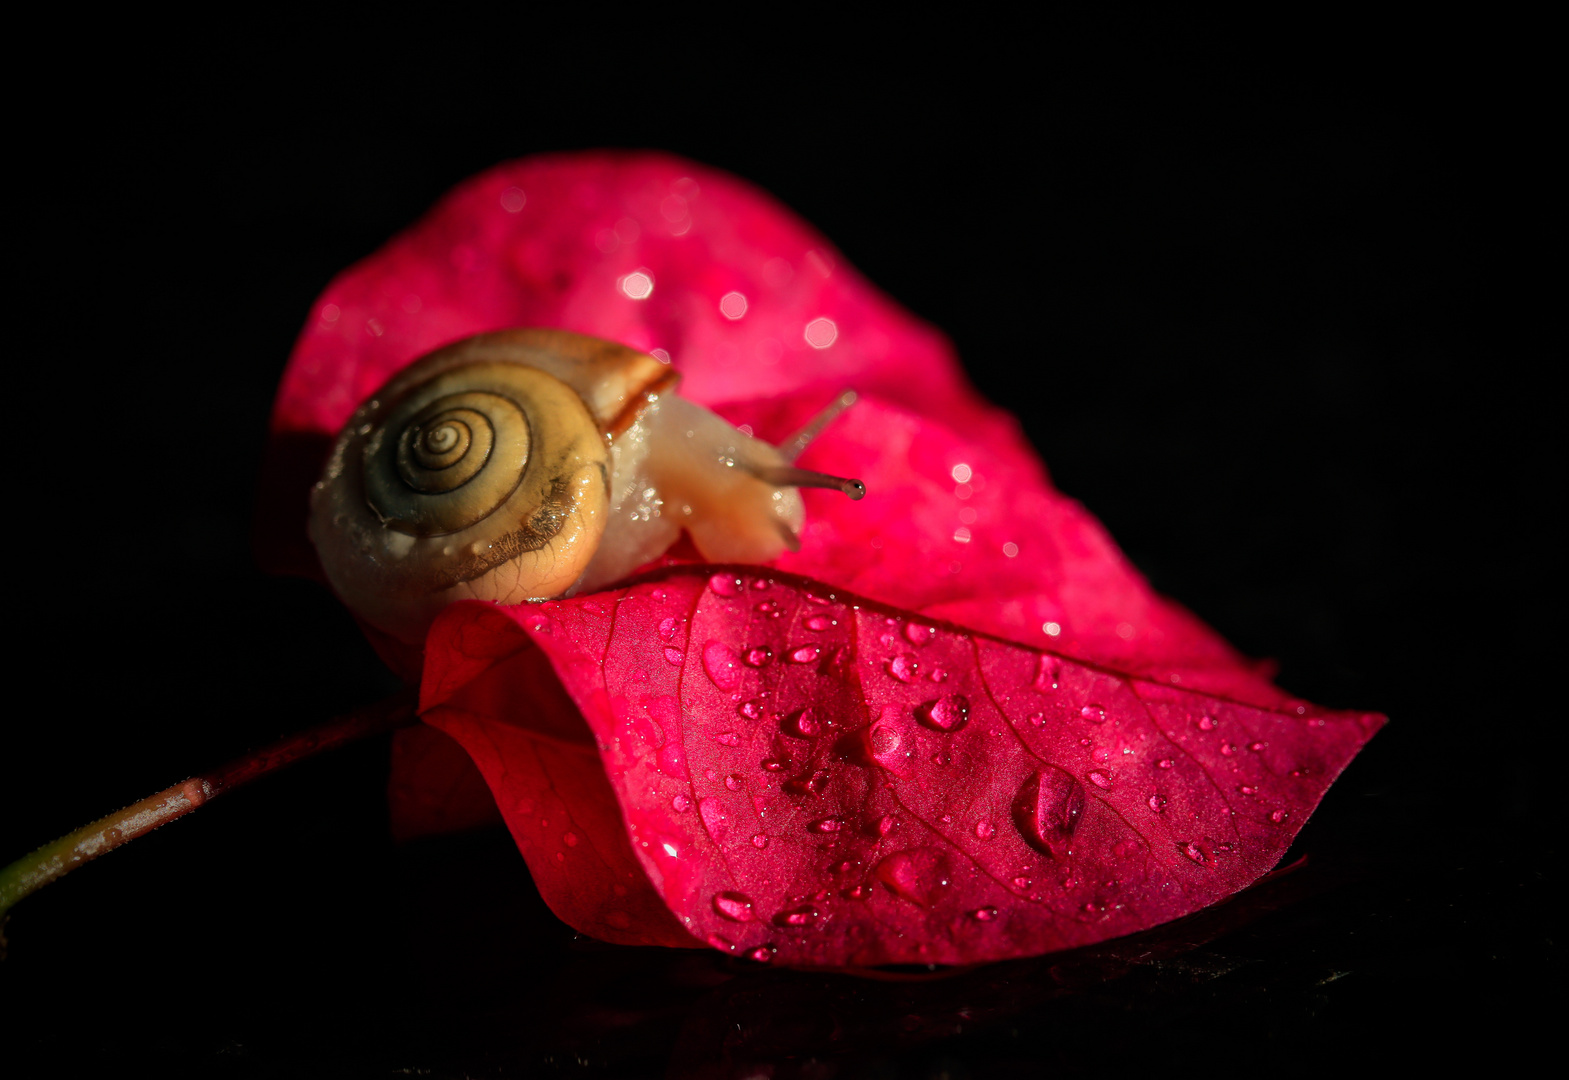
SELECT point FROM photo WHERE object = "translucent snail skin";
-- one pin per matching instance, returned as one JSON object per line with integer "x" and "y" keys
{"x": 529, "y": 464}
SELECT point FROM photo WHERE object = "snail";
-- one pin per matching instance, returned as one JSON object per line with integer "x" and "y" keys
{"x": 526, "y": 465}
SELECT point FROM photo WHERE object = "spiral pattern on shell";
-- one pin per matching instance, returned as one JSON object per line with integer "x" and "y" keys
{"x": 482, "y": 470}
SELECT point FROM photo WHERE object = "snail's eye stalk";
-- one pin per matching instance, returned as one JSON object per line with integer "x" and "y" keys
{"x": 790, "y": 476}
{"x": 792, "y": 447}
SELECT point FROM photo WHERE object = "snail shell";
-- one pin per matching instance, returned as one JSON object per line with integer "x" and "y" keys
{"x": 528, "y": 464}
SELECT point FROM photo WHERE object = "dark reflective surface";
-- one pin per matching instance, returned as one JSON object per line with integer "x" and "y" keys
{"x": 1273, "y": 322}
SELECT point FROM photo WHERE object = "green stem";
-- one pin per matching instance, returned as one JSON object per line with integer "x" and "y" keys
{"x": 32, "y": 872}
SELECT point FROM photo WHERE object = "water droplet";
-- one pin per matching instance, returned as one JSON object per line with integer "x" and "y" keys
{"x": 914, "y": 875}
{"x": 799, "y": 917}
{"x": 905, "y": 668}
{"x": 773, "y": 764}
{"x": 1047, "y": 672}
{"x": 1021, "y": 883}
{"x": 1277, "y": 816}
{"x": 1257, "y": 748}
{"x": 761, "y": 584}
{"x": 819, "y": 623}
{"x": 570, "y": 839}
{"x": 752, "y": 710}
{"x": 542, "y": 624}
{"x": 806, "y": 654}
{"x": 1166, "y": 763}
{"x": 722, "y": 664}
{"x": 820, "y": 601}
{"x": 766, "y": 607}
{"x": 735, "y": 782}
{"x": 737, "y": 907}
{"x": 673, "y": 656}
{"x": 560, "y": 857}
{"x": 984, "y": 830}
{"x": 1248, "y": 789}
{"x": 681, "y": 803}
{"x": 759, "y": 841}
{"x": 667, "y": 627}
{"x": 1048, "y": 809}
{"x": 859, "y": 892}
{"x": 886, "y": 824}
{"x": 1157, "y": 803}
{"x": 728, "y": 738}
{"x": 984, "y": 914}
{"x": 1037, "y": 719}
{"x": 802, "y": 725}
{"x": 761, "y": 656}
{"x": 720, "y": 942}
{"x": 1101, "y": 779}
{"x": 1101, "y": 754}
{"x": 919, "y": 633}
{"x": 1227, "y": 749}
{"x": 1206, "y": 723}
{"x": 1193, "y": 851}
{"x": 763, "y": 954}
{"x": 948, "y": 713}
{"x": 1095, "y": 714}
{"x": 726, "y": 584}
{"x": 827, "y": 825}
{"x": 716, "y": 819}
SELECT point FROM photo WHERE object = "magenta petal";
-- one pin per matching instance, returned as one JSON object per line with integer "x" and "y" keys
{"x": 1069, "y": 810}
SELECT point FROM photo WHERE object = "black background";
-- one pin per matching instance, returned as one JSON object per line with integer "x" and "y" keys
{"x": 1285, "y": 279}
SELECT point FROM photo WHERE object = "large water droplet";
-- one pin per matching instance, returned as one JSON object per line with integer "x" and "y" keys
{"x": 887, "y": 743}
{"x": 667, "y": 627}
{"x": 1048, "y": 809}
{"x": 905, "y": 668}
{"x": 1046, "y": 673}
{"x": 1157, "y": 803}
{"x": 761, "y": 656}
{"x": 735, "y": 782}
{"x": 915, "y": 875}
{"x": 673, "y": 656}
{"x": 984, "y": 830}
{"x": 1101, "y": 779}
{"x": 759, "y": 841}
{"x": 806, "y": 654}
{"x": 919, "y": 633}
{"x": 722, "y": 664}
{"x": 752, "y": 709}
{"x": 802, "y": 725}
{"x": 1095, "y": 714}
{"x": 726, "y": 584}
{"x": 716, "y": 819}
{"x": 681, "y": 803}
{"x": 1193, "y": 851}
{"x": 948, "y": 713}
{"x": 1206, "y": 723}
{"x": 886, "y": 824}
{"x": 737, "y": 907}
{"x": 819, "y": 623}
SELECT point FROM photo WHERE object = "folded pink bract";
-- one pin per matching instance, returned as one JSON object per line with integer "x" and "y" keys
{"x": 1160, "y": 773}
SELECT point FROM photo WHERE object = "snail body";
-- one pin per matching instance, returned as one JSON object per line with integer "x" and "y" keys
{"x": 530, "y": 464}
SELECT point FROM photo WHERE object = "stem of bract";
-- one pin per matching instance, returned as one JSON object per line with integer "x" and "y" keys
{"x": 32, "y": 872}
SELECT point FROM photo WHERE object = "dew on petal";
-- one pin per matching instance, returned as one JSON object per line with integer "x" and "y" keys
{"x": 984, "y": 830}
{"x": 1206, "y": 723}
{"x": 728, "y": 738}
{"x": 1277, "y": 816}
{"x": 827, "y": 825}
{"x": 722, "y": 665}
{"x": 802, "y": 724}
{"x": 667, "y": 627}
{"x": 1157, "y": 803}
{"x": 984, "y": 914}
{"x": 673, "y": 656}
{"x": 819, "y": 623}
{"x": 1101, "y": 779}
{"x": 1048, "y": 809}
{"x": 806, "y": 654}
{"x": 797, "y": 918}
{"x": 1166, "y": 763}
{"x": 759, "y": 841}
{"x": 681, "y": 803}
{"x": 726, "y": 585}
{"x": 948, "y": 713}
{"x": 761, "y": 656}
{"x": 735, "y": 782}
{"x": 919, "y": 633}
{"x": 905, "y": 668}
{"x": 1095, "y": 714}
{"x": 752, "y": 709}
{"x": 737, "y": 907}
